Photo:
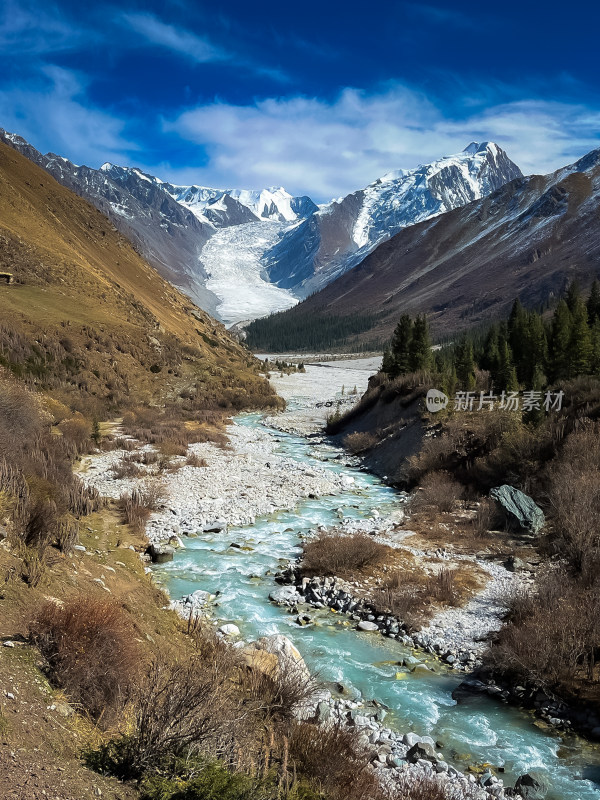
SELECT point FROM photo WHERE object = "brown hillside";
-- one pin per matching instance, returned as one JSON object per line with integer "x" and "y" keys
{"x": 87, "y": 316}
{"x": 464, "y": 267}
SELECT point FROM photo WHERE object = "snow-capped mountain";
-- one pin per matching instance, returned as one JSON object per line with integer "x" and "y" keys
{"x": 528, "y": 239}
{"x": 283, "y": 247}
{"x": 223, "y": 207}
{"x": 341, "y": 234}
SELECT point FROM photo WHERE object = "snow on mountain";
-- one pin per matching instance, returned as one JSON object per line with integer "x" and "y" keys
{"x": 232, "y": 262}
{"x": 340, "y": 235}
{"x": 242, "y": 253}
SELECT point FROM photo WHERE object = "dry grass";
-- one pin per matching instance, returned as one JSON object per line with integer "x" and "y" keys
{"x": 343, "y": 556}
{"x": 438, "y": 491}
{"x": 138, "y": 504}
{"x": 359, "y": 442}
{"x": 194, "y": 460}
{"x": 91, "y": 652}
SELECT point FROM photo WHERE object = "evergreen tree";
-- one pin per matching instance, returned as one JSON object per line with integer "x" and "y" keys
{"x": 490, "y": 358}
{"x": 419, "y": 351}
{"x": 506, "y": 377}
{"x": 560, "y": 338}
{"x": 535, "y": 349}
{"x": 573, "y": 296}
{"x": 580, "y": 342}
{"x": 465, "y": 364}
{"x": 595, "y": 348}
{"x": 400, "y": 347}
{"x": 593, "y": 303}
{"x": 517, "y": 329}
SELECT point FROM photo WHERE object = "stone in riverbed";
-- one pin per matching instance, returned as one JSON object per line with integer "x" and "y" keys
{"x": 519, "y": 508}
{"x": 229, "y": 630}
{"x": 160, "y": 553}
{"x": 365, "y": 625}
{"x": 421, "y": 751}
{"x": 532, "y": 786}
{"x": 285, "y": 596}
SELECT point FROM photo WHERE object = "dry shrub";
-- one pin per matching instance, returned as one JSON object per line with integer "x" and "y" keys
{"x": 333, "y": 759}
{"x": 138, "y": 504}
{"x": 182, "y": 706}
{"x": 359, "y": 442}
{"x": 486, "y": 518}
{"x": 403, "y": 597}
{"x": 67, "y": 534}
{"x": 575, "y": 500}
{"x": 127, "y": 468}
{"x": 283, "y": 692}
{"x": 91, "y": 651}
{"x": 442, "y": 587}
{"x": 78, "y": 431}
{"x": 438, "y": 491}
{"x": 553, "y": 634}
{"x": 335, "y": 554}
{"x": 194, "y": 460}
{"x": 170, "y": 449}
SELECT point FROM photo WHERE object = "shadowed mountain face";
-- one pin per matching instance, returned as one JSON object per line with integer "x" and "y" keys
{"x": 297, "y": 247}
{"x": 343, "y": 233}
{"x": 526, "y": 239}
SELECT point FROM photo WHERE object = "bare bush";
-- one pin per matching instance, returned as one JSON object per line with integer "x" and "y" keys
{"x": 335, "y": 554}
{"x": 138, "y": 504}
{"x": 438, "y": 491}
{"x": 359, "y": 442}
{"x": 442, "y": 587}
{"x": 553, "y": 634}
{"x": 486, "y": 517}
{"x": 575, "y": 500}
{"x": 402, "y": 597}
{"x": 194, "y": 460}
{"x": 91, "y": 650}
{"x": 127, "y": 468}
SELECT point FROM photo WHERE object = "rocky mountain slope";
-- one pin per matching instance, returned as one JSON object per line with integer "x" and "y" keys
{"x": 526, "y": 239}
{"x": 257, "y": 269}
{"x": 341, "y": 234}
{"x": 88, "y": 317}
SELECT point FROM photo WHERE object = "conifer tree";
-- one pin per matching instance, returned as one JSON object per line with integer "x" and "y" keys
{"x": 573, "y": 295}
{"x": 560, "y": 338}
{"x": 419, "y": 351}
{"x": 580, "y": 342}
{"x": 595, "y": 348}
{"x": 517, "y": 329}
{"x": 506, "y": 377}
{"x": 534, "y": 353}
{"x": 465, "y": 364}
{"x": 593, "y": 303}
{"x": 490, "y": 357}
{"x": 400, "y": 347}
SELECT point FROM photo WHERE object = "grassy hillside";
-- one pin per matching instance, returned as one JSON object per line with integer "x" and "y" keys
{"x": 89, "y": 320}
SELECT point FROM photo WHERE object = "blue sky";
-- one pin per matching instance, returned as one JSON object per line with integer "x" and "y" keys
{"x": 321, "y": 97}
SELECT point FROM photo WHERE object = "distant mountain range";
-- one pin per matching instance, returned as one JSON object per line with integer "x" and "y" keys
{"x": 241, "y": 254}
{"x": 527, "y": 239}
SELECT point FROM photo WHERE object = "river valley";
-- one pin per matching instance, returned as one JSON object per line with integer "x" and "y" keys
{"x": 243, "y": 517}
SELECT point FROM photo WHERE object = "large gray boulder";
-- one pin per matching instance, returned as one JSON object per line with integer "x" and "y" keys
{"x": 519, "y": 508}
{"x": 532, "y": 786}
{"x": 160, "y": 553}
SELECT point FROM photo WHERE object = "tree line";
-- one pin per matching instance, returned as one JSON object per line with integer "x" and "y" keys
{"x": 529, "y": 350}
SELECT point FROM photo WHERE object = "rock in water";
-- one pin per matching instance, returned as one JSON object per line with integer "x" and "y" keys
{"x": 285, "y": 596}
{"x": 532, "y": 786}
{"x": 365, "y": 625}
{"x": 159, "y": 553}
{"x": 519, "y": 507}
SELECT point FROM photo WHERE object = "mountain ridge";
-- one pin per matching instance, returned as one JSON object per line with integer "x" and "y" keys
{"x": 526, "y": 239}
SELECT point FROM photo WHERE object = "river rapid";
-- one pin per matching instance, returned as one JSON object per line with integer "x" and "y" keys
{"x": 475, "y": 731}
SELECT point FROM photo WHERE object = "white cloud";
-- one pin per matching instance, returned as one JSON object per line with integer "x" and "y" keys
{"x": 330, "y": 148}
{"x": 53, "y": 114}
{"x": 29, "y": 28}
{"x": 197, "y": 48}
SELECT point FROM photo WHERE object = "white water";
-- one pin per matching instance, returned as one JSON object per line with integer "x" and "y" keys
{"x": 476, "y": 730}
